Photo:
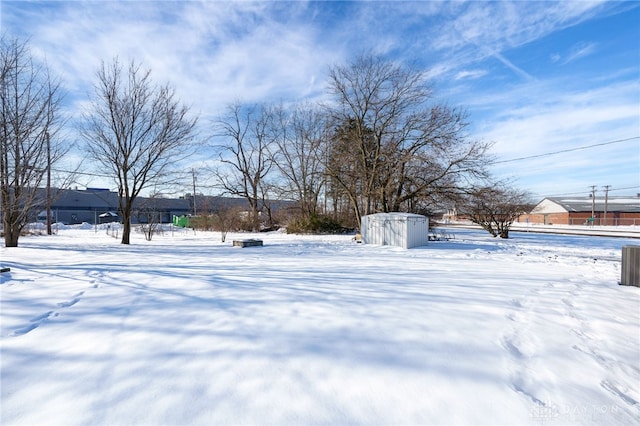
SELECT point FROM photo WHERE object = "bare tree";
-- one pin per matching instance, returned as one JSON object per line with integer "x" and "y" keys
{"x": 29, "y": 124}
{"x": 226, "y": 218}
{"x": 495, "y": 207}
{"x": 247, "y": 133}
{"x": 299, "y": 153}
{"x": 393, "y": 146}
{"x": 349, "y": 165}
{"x": 149, "y": 214}
{"x": 137, "y": 131}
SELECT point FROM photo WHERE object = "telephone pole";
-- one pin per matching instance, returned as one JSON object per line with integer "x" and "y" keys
{"x": 606, "y": 202}
{"x": 48, "y": 194}
{"x": 593, "y": 205}
{"x": 193, "y": 172}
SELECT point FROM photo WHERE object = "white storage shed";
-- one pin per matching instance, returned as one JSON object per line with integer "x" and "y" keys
{"x": 405, "y": 230}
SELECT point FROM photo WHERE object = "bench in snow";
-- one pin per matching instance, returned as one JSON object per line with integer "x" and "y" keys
{"x": 247, "y": 243}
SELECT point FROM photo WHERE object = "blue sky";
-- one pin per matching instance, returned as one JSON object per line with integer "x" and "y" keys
{"x": 536, "y": 77}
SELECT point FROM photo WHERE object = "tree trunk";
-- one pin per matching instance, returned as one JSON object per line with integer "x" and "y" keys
{"x": 126, "y": 225}
{"x": 11, "y": 233}
{"x": 487, "y": 227}
{"x": 126, "y": 231}
{"x": 503, "y": 230}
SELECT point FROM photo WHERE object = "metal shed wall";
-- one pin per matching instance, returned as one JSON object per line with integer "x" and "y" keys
{"x": 404, "y": 230}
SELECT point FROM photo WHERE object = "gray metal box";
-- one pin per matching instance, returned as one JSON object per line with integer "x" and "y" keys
{"x": 630, "y": 266}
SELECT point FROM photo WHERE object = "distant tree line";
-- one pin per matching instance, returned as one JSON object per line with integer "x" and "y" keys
{"x": 381, "y": 143}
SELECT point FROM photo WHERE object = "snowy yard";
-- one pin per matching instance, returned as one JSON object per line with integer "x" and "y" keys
{"x": 317, "y": 330}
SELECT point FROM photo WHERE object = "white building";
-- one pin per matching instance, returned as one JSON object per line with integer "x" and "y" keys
{"x": 404, "y": 230}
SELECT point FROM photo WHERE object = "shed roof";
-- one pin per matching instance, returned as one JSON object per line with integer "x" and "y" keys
{"x": 397, "y": 215}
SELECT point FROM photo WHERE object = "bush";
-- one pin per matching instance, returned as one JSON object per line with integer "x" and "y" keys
{"x": 315, "y": 225}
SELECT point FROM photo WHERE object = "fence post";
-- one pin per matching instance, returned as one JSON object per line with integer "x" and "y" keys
{"x": 630, "y": 266}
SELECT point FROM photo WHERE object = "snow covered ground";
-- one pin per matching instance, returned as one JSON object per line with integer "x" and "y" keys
{"x": 317, "y": 330}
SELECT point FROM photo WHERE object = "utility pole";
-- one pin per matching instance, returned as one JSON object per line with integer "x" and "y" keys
{"x": 593, "y": 204}
{"x": 193, "y": 173}
{"x": 48, "y": 194}
{"x": 606, "y": 202}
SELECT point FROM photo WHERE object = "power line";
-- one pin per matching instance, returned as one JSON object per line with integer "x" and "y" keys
{"x": 81, "y": 173}
{"x": 546, "y": 154}
{"x": 581, "y": 193}
{"x": 622, "y": 189}
{"x": 103, "y": 175}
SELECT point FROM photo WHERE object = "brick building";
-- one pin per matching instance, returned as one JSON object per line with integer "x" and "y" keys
{"x": 616, "y": 210}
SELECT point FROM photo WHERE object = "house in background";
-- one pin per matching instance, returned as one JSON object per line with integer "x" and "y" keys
{"x": 615, "y": 210}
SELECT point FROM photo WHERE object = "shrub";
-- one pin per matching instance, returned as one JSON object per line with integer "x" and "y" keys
{"x": 315, "y": 225}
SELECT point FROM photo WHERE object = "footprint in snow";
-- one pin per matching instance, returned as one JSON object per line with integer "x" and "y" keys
{"x": 519, "y": 386}
{"x": 35, "y": 323}
{"x": 43, "y": 317}
{"x": 593, "y": 354}
{"x": 512, "y": 348}
{"x": 511, "y": 317}
{"x": 582, "y": 334}
{"x": 24, "y": 330}
{"x": 616, "y": 390}
{"x": 71, "y": 302}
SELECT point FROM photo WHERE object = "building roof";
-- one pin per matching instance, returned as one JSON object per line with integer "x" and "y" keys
{"x": 160, "y": 203}
{"x": 622, "y": 204}
{"x": 103, "y": 200}
{"x": 99, "y": 200}
{"x": 396, "y": 216}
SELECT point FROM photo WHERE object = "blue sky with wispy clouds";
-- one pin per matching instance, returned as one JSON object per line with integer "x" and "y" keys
{"x": 536, "y": 77}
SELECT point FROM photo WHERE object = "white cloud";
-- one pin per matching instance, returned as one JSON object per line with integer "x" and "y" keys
{"x": 509, "y": 64}
{"x": 212, "y": 52}
{"x": 470, "y": 74}
{"x": 487, "y": 29}
{"x": 582, "y": 117}
{"x": 215, "y": 53}
{"x": 579, "y": 51}
{"x": 567, "y": 122}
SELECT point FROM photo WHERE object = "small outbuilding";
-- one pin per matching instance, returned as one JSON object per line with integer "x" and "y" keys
{"x": 108, "y": 217}
{"x": 404, "y": 230}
